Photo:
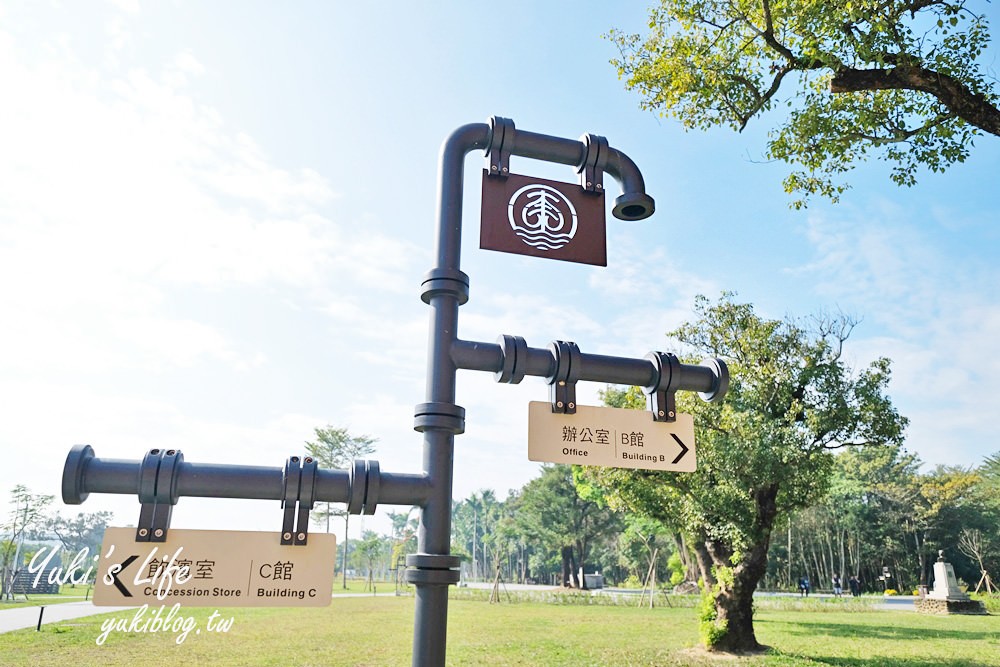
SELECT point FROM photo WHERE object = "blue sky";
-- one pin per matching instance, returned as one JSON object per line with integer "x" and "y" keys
{"x": 215, "y": 217}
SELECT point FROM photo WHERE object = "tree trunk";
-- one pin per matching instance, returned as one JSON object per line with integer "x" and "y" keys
{"x": 684, "y": 552}
{"x": 921, "y": 557}
{"x": 734, "y": 604}
{"x": 580, "y": 546}
{"x": 841, "y": 539}
{"x": 831, "y": 563}
{"x": 567, "y": 556}
{"x": 704, "y": 561}
{"x": 347, "y": 518}
{"x": 789, "y": 582}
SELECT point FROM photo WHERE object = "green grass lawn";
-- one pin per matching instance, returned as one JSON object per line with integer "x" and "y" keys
{"x": 360, "y": 586}
{"x": 66, "y": 593}
{"x": 378, "y": 631}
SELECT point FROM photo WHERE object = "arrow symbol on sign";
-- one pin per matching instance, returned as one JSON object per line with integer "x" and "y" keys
{"x": 684, "y": 448}
{"x": 114, "y": 575}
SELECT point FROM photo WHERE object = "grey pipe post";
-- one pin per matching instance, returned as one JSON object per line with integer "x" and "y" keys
{"x": 432, "y": 569}
{"x": 440, "y": 419}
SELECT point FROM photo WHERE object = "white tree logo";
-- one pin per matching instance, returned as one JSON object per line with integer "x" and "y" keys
{"x": 542, "y": 217}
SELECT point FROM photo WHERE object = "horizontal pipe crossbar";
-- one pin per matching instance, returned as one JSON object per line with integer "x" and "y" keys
{"x": 84, "y": 473}
{"x": 540, "y": 362}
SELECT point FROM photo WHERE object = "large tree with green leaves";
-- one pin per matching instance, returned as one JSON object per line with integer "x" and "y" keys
{"x": 762, "y": 453}
{"x": 859, "y": 526}
{"x": 550, "y": 512}
{"x": 335, "y": 447}
{"x": 474, "y": 530}
{"x": 841, "y": 80}
{"x": 85, "y": 530}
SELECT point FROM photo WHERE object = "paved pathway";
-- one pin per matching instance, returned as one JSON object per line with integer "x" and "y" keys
{"x": 27, "y": 617}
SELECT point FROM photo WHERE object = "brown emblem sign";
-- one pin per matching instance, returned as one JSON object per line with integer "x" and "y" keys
{"x": 543, "y": 218}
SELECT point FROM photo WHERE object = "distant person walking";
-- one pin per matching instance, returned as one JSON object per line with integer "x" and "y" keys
{"x": 854, "y": 585}
{"x": 804, "y": 586}
{"x": 838, "y": 586}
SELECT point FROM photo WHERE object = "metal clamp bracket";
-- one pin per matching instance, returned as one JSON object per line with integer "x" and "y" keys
{"x": 307, "y": 494}
{"x": 439, "y": 416}
{"x": 366, "y": 483}
{"x": 515, "y": 357}
{"x": 501, "y": 143}
{"x": 298, "y": 493}
{"x": 373, "y": 484}
{"x": 157, "y": 493}
{"x": 595, "y": 157}
{"x": 562, "y": 383}
{"x": 432, "y": 569}
{"x": 666, "y": 380}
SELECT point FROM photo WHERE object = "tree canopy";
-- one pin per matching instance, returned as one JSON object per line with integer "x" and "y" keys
{"x": 335, "y": 447}
{"x": 27, "y": 515}
{"x": 763, "y": 452}
{"x": 550, "y": 510}
{"x": 895, "y": 79}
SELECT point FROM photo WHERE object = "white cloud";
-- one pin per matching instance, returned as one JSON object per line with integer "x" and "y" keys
{"x": 131, "y": 216}
{"x": 115, "y": 190}
{"x": 127, "y": 6}
{"x": 934, "y": 314}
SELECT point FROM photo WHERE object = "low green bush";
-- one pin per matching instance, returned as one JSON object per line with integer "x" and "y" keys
{"x": 991, "y": 602}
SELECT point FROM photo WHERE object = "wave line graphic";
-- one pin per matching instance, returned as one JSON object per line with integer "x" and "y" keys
{"x": 543, "y": 242}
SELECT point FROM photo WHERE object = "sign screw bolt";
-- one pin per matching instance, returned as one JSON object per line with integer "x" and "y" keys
{"x": 572, "y": 405}
{"x": 143, "y": 532}
{"x": 302, "y": 536}
{"x": 493, "y": 168}
{"x": 670, "y": 414}
{"x": 559, "y": 404}
{"x": 505, "y": 170}
{"x": 661, "y": 413}
{"x": 158, "y": 532}
{"x": 287, "y": 536}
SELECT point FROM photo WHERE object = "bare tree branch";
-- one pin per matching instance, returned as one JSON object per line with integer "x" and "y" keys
{"x": 972, "y": 107}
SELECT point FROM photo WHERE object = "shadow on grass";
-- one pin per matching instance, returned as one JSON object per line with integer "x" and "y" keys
{"x": 893, "y": 632}
{"x": 879, "y": 661}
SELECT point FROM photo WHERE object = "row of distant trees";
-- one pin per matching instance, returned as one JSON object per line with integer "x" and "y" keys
{"x": 884, "y": 521}
{"x": 30, "y": 523}
{"x": 882, "y": 514}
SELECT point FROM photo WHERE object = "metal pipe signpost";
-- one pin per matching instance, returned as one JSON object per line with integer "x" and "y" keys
{"x": 536, "y": 217}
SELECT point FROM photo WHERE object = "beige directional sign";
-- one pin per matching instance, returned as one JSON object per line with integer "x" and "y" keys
{"x": 214, "y": 568}
{"x": 610, "y": 437}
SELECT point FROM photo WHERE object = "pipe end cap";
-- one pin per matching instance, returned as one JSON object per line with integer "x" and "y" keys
{"x": 633, "y": 206}
{"x": 79, "y": 457}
